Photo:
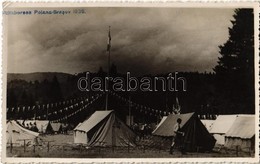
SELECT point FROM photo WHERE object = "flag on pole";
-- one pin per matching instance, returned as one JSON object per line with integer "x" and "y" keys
{"x": 177, "y": 109}
{"x": 109, "y": 40}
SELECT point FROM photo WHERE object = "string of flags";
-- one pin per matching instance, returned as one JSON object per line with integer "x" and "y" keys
{"x": 142, "y": 108}
{"x": 50, "y": 105}
{"x": 83, "y": 103}
{"x": 79, "y": 110}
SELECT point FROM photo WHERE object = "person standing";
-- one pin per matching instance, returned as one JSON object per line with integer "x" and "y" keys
{"x": 177, "y": 140}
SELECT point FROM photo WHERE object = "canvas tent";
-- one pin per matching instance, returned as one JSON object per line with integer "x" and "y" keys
{"x": 242, "y": 133}
{"x": 208, "y": 124}
{"x": 56, "y": 127}
{"x": 104, "y": 128}
{"x": 43, "y": 126}
{"x": 221, "y": 126}
{"x": 16, "y": 134}
{"x": 196, "y": 135}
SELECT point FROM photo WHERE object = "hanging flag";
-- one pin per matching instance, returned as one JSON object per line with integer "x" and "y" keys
{"x": 109, "y": 40}
{"x": 177, "y": 109}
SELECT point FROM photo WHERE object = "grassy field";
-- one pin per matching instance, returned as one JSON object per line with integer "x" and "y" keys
{"x": 61, "y": 146}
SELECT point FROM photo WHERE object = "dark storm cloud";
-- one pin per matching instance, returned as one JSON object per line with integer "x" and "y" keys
{"x": 155, "y": 40}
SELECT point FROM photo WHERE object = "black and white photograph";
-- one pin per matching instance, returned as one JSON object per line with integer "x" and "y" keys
{"x": 130, "y": 82}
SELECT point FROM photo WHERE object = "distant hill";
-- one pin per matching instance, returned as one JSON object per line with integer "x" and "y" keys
{"x": 40, "y": 76}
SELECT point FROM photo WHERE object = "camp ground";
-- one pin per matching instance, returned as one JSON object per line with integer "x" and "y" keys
{"x": 104, "y": 128}
{"x": 104, "y": 132}
{"x": 16, "y": 135}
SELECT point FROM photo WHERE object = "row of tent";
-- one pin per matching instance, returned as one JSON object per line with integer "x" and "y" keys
{"x": 103, "y": 128}
{"x": 44, "y": 126}
{"x": 233, "y": 130}
{"x": 17, "y": 134}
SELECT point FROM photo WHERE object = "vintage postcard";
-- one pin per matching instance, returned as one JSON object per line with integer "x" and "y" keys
{"x": 130, "y": 82}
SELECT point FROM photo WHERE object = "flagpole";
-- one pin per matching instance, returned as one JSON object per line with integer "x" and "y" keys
{"x": 108, "y": 70}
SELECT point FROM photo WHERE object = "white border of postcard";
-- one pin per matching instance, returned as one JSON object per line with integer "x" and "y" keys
{"x": 129, "y": 3}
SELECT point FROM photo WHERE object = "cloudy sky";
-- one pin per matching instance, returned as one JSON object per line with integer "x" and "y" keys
{"x": 144, "y": 40}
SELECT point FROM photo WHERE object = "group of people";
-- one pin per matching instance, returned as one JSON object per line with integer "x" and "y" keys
{"x": 30, "y": 126}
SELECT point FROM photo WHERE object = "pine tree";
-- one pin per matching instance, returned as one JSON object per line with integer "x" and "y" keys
{"x": 55, "y": 90}
{"x": 235, "y": 69}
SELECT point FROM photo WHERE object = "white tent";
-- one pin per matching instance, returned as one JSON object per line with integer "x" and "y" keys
{"x": 242, "y": 133}
{"x": 104, "y": 128}
{"x": 221, "y": 126}
{"x": 16, "y": 134}
{"x": 42, "y": 125}
{"x": 208, "y": 124}
{"x": 56, "y": 127}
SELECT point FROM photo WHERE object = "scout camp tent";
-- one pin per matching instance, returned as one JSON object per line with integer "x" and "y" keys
{"x": 196, "y": 135}
{"x": 208, "y": 124}
{"x": 242, "y": 133}
{"x": 42, "y": 125}
{"x": 104, "y": 128}
{"x": 221, "y": 126}
{"x": 17, "y": 135}
{"x": 56, "y": 127}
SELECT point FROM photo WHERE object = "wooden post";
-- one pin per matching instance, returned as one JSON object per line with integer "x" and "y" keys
{"x": 34, "y": 148}
{"x": 11, "y": 147}
{"x": 24, "y": 146}
{"x": 48, "y": 146}
{"x": 237, "y": 151}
